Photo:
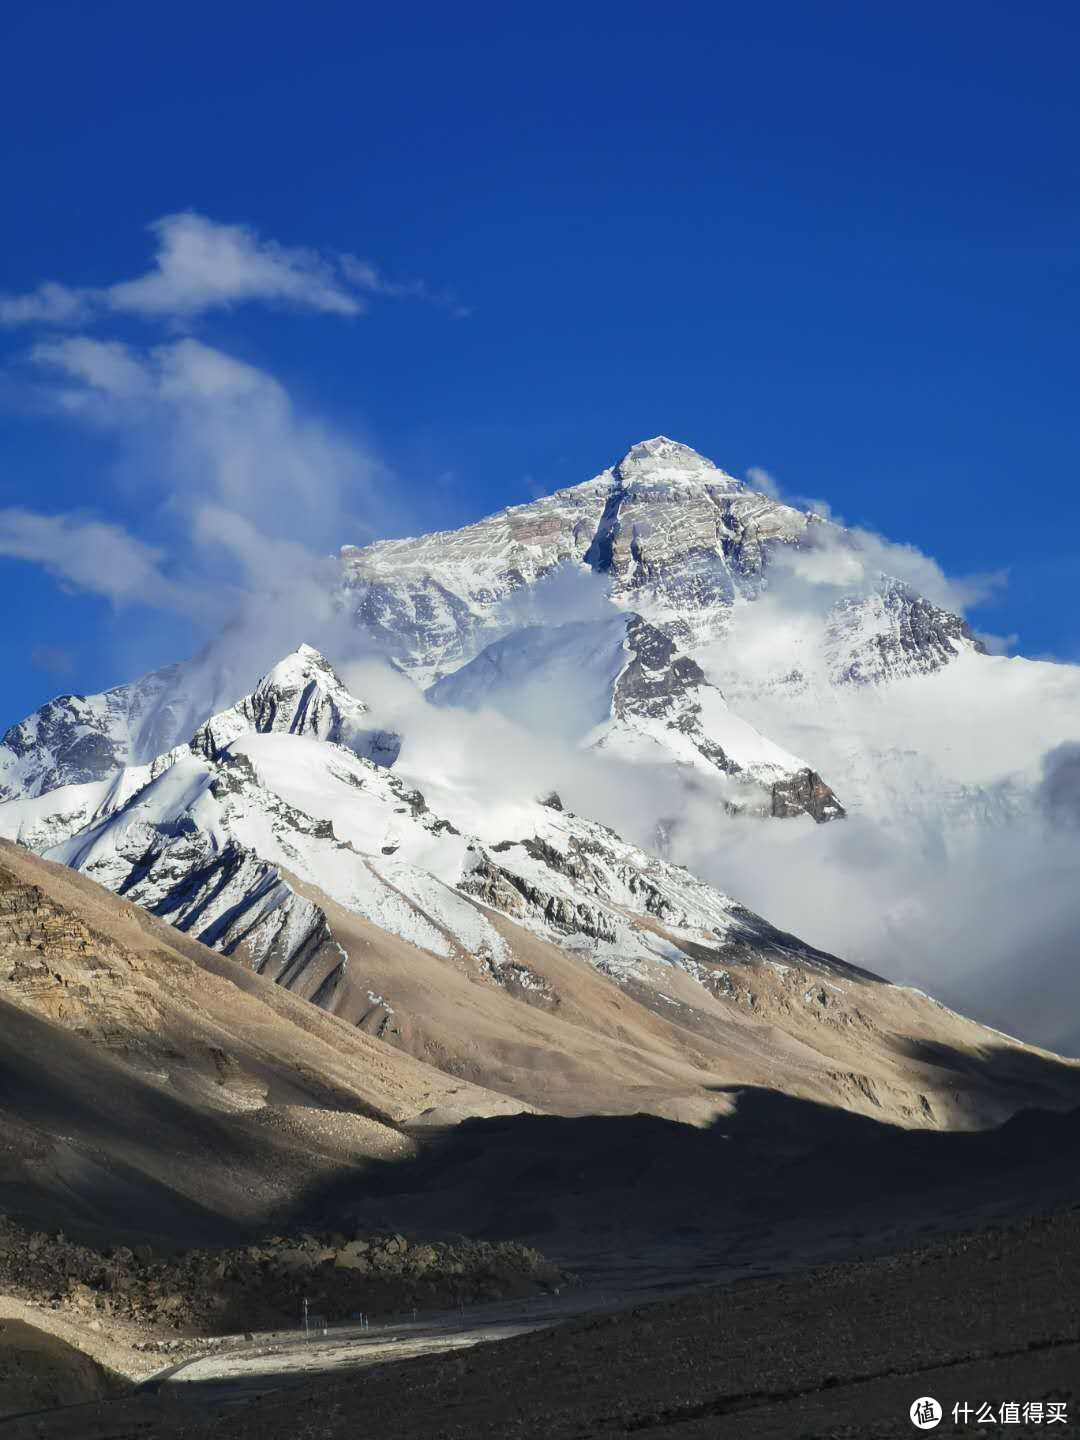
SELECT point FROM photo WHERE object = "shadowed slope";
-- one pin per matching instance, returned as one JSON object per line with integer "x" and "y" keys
{"x": 147, "y": 1084}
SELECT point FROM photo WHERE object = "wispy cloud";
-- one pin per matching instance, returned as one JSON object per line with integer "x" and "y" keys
{"x": 107, "y": 367}
{"x": 91, "y": 555}
{"x": 50, "y": 304}
{"x": 201, "y": 265}
{"x": 368, "y": 277}
{"x": 761, "y": 480}
{"x": 838, "y": 558}
{"x": 208, "y": 429}
{"x": 239, "y": 496}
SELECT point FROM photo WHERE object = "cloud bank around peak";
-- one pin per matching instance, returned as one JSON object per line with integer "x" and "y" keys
{"x": 837, "y": 559}
{"x": 200, "y": 265}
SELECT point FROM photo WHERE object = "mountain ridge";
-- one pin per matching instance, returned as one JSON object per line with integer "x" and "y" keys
{"x": 546, "y": 960}
{"x": 650, "y": 616}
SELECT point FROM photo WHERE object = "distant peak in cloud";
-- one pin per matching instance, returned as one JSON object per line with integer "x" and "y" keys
{"x": 201, "y": 264}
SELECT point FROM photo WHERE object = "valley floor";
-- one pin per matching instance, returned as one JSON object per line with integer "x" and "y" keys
{"x": 838, "y": 1350}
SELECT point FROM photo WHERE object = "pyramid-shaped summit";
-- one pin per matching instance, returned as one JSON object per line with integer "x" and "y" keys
{"x": 662, "y": 460}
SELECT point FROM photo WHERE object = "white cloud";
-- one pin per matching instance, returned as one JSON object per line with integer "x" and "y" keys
{"x": 763, "y": 482}
{"x": 570, "y": 592}
{"x": 107, "y": 366}
{"x": 923, "y": 574}
{"x": 200, "y": 427}
{"x": 201, "y": 264}
{"x": 979, "y": 913}
{"x": 251, "y": 493}
{"x": 851, "y": 558}
{"x": 955, "y": 870}
{"x": 956, "y": 873}
{"x": 998, "y": 644}
{"x": 49, "y": 304}
{"x": 90, "y": 555}
{"x": 250, "y": 490}
{"x": 453, "y": 754}
{"x": 366, "y": 276}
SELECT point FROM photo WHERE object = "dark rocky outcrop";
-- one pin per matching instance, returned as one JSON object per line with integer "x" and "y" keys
{"x": 263, "y": 1284}
{"x": 805, "y": 793}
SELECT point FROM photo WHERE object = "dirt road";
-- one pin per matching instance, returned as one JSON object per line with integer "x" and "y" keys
{"x": 837, "y": 1350}
{"x": 225, "y": 1381}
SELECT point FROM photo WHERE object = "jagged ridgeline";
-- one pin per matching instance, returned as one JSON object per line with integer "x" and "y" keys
{"x": 522, "y": 948}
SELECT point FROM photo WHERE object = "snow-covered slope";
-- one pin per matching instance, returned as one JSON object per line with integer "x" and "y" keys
{"x": 669, "y": 537}
{"x": 672, "y": 536}
{"x": 197, "y": 836}
{"x": 541, "y": 956}
{"x": 75, "y": 739}
{"x": 620, "y": 684}
{"x": 701, "y": 648}
{"x": 301, "y": 695}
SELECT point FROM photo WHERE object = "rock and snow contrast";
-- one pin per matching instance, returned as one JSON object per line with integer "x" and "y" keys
{"x": 636, "y": 696}
{"x": 676, "y": 540}
{"x": 507, "y": 938}
{"x": 685, "y": 555}
{"x": 525, "y": 948}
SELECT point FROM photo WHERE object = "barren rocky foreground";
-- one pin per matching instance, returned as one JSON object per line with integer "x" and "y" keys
{"x": 190, "y": 1151}
{"x": 838, "y": 1352}
{"x": 208, "y": 1293}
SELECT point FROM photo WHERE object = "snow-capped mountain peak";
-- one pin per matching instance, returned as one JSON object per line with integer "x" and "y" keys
{"x": 666, "y": 536}
{"x": 492, "y": 950}
{"x": 661, "y": 461}
{"x": 301, "y": 695}
{"x": 672, "y": 537}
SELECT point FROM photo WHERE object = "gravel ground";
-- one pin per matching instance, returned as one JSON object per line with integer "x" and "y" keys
{"x": 837, "y": 1351}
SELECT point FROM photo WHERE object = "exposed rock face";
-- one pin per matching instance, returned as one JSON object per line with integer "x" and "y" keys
{"x": 553, "y": 965}
{"x": 655, "y": 676}
{"x": 154, "y": 1089}
{"x": 893, "y": 633}
{"x": 211, "y": 840}
{"x": 651, "y": 525}
{"x": 805, "y": 793}
{"x": 276, "y": 830}
{"x": 77, "y": 739}
{"x": 53, "y": 963}
{"x": 683, "y": 534}
{"x": 672, "y": 537}
{"x": 642, "y": 699}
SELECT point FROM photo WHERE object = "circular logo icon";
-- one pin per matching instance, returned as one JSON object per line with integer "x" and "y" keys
{"x": 925, "y": 1413}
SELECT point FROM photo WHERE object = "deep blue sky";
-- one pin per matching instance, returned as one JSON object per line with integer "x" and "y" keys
{"x": 838, "y": 241}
